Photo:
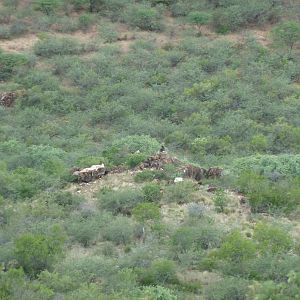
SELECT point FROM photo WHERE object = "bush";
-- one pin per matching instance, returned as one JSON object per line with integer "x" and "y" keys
{"x": 287, "y": 35}
{"x": 47, "y": 6}
{"x": 84, "y": 230}
{"x": 36, "y": 253}
{"x": 180, "y": 192}
{"x": 158, "y": 293}
{"x": 57, "y": 46}
{"x": 135, "y": 159}
{"x": 9, "y": 62}
{"x": 122, "y": 201}
{"x": 220, "y": 201}
{"x": 144, "y": 17}
{"x": 162, "y": 271}
{"x": 144, "y": 212}
{"x": 237, "y": 249}
{"x": 266, "y": 195}
{"x": 121, "y": 148}
{"x": 4, "y": 32}
{"x": 18, "y": 28}
{"x": 145, "y": 175}
{"x": 196, "y": 210}
{"x": 272, "y": 238}
{"x": 199, "y": 18}
{"x": 238, "y": 15}
{"x": 202, "y": 235}
{"x": 228, "y": 288}
{"x": 152, "y": 192}
{"x": 109, "y": 34}
{"x": 85, "y": 22}
{"x": 119, "y": 231}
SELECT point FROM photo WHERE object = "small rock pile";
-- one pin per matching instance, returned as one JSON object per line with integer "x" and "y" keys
{"x": 7, "y": 99}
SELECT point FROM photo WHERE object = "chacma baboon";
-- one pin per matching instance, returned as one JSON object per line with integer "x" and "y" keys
{"x": 194, "y": 172}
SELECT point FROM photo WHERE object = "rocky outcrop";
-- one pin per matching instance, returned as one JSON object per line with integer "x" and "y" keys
{"x": 89, "y": 174}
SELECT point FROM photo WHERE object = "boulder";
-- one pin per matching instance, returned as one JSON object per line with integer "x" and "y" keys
{"x": 89, "y": 174}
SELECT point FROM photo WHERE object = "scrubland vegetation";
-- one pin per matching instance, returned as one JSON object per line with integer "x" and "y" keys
{"x": 110, "y": 81}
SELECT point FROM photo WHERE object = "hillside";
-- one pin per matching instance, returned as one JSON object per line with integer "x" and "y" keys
{"x": 209, "y": 87}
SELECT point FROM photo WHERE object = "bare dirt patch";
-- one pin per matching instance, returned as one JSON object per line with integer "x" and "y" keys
{"x": 18, "y": 45}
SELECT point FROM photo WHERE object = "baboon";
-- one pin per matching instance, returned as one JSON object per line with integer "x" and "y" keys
{"x": 214, "y": 172}
{"x": 194, "y": 172}
{"x": 7, "y": 99}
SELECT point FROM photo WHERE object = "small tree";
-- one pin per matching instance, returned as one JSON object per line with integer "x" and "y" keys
{"x": 37, "y": 252}
{"x": 287, "y": 35}
{"x": 199, "y": 19}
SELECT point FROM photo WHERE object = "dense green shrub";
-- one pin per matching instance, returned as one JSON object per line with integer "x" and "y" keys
{"x": 158, "y": 293}
{"x": 265, "y": 194}
{"x": 283, "y": 165}
{"x": 271, "y": 238}
{"x": 144, "y": 176}
{"x": 122, "y": 201}
{"x": 228, "y": 288}
{"x": 287, "y": 35}
{"x": 220, "y": 201}
{"x": 57, "y": 46}
{"x": 144, "y": 17}
{"x": 236, "y": 15}
{"x": 36, "y": 253}
{"x": 119, "y": 231}
{"x": 84, "y": 230}
{"x": 85, "y": 21}
{"x": 180, "y": 192}
{"x": 9, "y": 62}
{"x": 122, "y": 148}
{"x": 237, "y": 249}
{"x": 152, "y": 192}
{"x": 161, "y": 271}
{"x": 144, "y": 212}
{"x": 47, "y": 6}
{"x": 108, "y": 33}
